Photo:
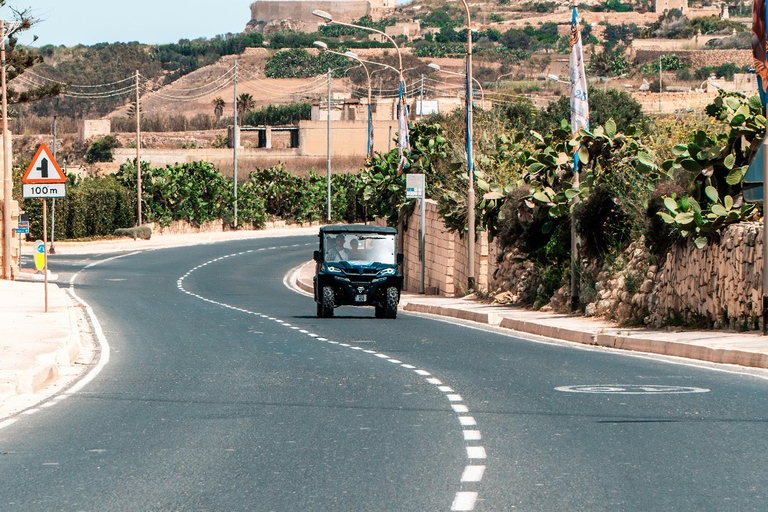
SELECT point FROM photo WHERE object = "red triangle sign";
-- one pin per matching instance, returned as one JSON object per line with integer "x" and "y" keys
{"x": 43, "y": 168}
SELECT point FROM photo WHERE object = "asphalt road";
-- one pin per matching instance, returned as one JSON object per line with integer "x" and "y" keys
{"x": 223, "y": 391}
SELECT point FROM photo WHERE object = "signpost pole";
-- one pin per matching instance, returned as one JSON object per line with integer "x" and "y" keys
{"x": 422, "y": 227}
{"x": 45, "y": 244}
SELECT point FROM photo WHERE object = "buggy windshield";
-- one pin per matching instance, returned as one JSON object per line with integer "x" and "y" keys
{"x": 360, "y": 248}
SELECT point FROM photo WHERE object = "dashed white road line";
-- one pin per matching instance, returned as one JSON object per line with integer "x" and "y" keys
{"x": 473, "y": 473}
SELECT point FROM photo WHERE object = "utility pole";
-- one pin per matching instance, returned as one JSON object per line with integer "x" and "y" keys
{"x": 421, "y": 99}
{"x": 7, "y": 184}
{"x": 328, "y": 149}
{"x": 470, "y": 163}
{"x": 52, "y": 249}
{"x": 660, "y": 87}
{"x": 234, "y": 145}
{"x": 138, "y": 150}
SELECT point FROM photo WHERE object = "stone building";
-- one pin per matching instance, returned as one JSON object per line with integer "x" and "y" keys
{"x": 667, "y": 5}
{"x": 270, "y": 16}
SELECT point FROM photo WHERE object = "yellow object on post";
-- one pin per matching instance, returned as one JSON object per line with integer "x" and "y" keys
{"x": 39, "y": 255}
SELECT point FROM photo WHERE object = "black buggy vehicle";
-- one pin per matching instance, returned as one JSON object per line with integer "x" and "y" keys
{"x": 357, "y": 265}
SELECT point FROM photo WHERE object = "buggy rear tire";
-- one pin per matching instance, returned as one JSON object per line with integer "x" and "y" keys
{"x": 393, "y": 297}
{"x": 325, "y": 307}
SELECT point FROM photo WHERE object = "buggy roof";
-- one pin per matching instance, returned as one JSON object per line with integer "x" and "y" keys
{"x": 358, "y": 228}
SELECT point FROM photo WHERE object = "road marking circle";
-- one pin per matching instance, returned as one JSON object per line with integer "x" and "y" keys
{"x": 632, "y": 389}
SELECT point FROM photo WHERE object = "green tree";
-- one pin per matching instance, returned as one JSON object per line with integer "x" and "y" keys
{"x": 218, "y": 107}
{"x": 245, "y": 103}
{"x": 603, "y": 105}
{"x": 101, "y": 149}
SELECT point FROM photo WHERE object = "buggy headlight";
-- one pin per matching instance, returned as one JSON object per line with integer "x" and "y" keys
{"x": 335, "y": 270}
{"x": 387, "y": 272}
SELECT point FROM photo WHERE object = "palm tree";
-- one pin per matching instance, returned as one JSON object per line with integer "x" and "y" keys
{"x": 218, "y": 108}
{"x": 245, "y": 103}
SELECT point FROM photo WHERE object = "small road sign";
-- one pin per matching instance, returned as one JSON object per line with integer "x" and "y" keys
{"x": 43, "y": 169}
{"x": 44, "y": 190}
{"x": 39, "y": 255}
{"x": 414, "y": 186}
{"x": 22, "y": 231}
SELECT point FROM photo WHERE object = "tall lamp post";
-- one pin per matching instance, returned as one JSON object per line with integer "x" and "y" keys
{"x": 470, "y": 161}
{"x": 403, "y": 126}
{"x": 351, "y": 55}
{"x": 479, "y": 85}
{"x": 329, "y": 20}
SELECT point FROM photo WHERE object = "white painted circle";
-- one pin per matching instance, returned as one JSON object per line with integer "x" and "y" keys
{"x": 631, "y": 389}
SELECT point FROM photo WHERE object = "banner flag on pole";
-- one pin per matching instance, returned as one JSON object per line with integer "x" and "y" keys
{"x": 759, "y": 49}
{"x": 402, "y": 136}
{"x": 579, "y": 99}
{"x": 468, "y": 84}
{"x": 370, "y": 133}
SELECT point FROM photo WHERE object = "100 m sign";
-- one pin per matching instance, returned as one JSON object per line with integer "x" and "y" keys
{"x": 44, "y": 190}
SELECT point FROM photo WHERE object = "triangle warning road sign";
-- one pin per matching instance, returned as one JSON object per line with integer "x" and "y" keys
{"x": 43, "y": 168}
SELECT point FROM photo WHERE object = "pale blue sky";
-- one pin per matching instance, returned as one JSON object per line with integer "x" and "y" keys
{"x": 72, "y": 22}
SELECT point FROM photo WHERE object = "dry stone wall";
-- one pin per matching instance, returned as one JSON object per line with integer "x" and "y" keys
{"x": 719, "y": 285}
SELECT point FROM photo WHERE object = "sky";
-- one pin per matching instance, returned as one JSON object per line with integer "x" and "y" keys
{"x": 72, "y": 22}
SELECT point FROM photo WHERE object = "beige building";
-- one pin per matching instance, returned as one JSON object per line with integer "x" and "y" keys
{"x": 270, "y": 16}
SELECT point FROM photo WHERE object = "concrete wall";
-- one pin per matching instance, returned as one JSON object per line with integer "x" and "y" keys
{"x": 95, "y": 128}
{"x": 218, "y": 157}
{"x": 446, "y": 254}
{"x": 698, "y": 58}
{"x": 348, "y": 138}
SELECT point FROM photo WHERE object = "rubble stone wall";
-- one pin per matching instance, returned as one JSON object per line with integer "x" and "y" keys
{"x": 720, "y": 284}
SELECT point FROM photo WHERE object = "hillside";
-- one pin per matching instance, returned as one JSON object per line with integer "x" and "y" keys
{"x": 517, "y": 42}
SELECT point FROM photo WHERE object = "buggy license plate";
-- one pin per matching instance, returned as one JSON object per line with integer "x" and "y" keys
{"x": 361, "y": 298}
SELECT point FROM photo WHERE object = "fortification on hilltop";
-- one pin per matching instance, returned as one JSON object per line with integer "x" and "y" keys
{"x": 270, "y": 16}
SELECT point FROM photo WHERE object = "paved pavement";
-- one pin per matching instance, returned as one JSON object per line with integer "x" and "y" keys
{"x": 37, "y": 347}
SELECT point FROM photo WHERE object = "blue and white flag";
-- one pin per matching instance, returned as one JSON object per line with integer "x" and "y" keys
{"x": 403, "y": 144}
{"x": 579, "y": 99}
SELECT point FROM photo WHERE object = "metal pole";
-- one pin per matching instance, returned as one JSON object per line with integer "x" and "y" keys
{"x": 138, "y": 152}
{"x": 52, "y": 249}
{"x": 660, "y": 83}
{"x": 765, "y": 237}
{"x": 7, "y": 184}
{"x": 574, "y": 250}
{"x": 328, "y": 148}
{"x": 422, "y": 234}
{"x": 421, "y": 99}
{"x": 45, "y": 258}
{"x": 470, "y": 162}
{"x": 370, "y": 113}
{"x": 234, "y": 145}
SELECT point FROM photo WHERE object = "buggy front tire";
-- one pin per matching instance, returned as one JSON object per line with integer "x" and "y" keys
{"x": 390, "y": 307}
{"x": 325, "y": 308}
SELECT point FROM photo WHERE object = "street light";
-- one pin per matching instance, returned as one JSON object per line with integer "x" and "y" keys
{"x": 470, "y": 161}
{"x": 351, "y": 55}
{"x": 329, "y": 19}
{"x": 403, "y": 127}
{"x": 479, "y": 85}
{"x": 502, "y": 76}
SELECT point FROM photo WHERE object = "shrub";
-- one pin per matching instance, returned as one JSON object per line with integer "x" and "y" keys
{"x": 101, "y": 149}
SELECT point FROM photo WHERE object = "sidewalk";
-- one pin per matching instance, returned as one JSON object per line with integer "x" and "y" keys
{"x": 36, "y": 347}
{"x": 745, "y": 349}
